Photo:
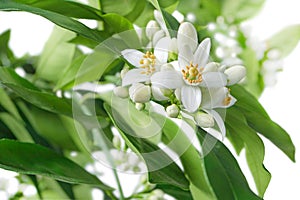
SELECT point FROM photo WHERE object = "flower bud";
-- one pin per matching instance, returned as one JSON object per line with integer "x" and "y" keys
{"x": 187, "y": 35}
{"x": 123, "y": 72}
{"x": 116, "y": 142}
{"x": 151, "y": 28}
{"x": 121, "y": 92}
{"x": 204, "y": 120}
{"x": 235, "y": 74}
{"x": 140, "y": 106}
{"x": 140, "y": 93}
{"x": 172, "y": 111}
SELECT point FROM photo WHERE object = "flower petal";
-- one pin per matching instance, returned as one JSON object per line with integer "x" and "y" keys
{"x": 157, "y": 94}
{"x": 185, "y": 56}
{"x": 161, "y": 50}
{"x": 151, "y": 28}
{"x": 159, "y": 18}
{"x": 191, "y": 97}
{"x": 213, "y": 79}
{"x": 219, "y": 121}
{"x": 157, "y": 36}
{"x": 202, "y": 53}
{"x": 187, "y": 35}
{"x": 134, "y": 76}
{"x": 132, "y": 56}
{"x": 169, "y": 79}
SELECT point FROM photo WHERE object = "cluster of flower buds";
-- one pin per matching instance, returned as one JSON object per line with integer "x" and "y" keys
{"x": 187, "y": 83}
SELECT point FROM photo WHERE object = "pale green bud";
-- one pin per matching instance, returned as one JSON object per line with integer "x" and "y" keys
{"x": 140, "y": 106}
{"x": 121, "y": 92}
{"x": 172, "y": 111}
{"x": 117, "y": 142}
{"x": 204, "y": 120}
{"x": 140, "y": 93}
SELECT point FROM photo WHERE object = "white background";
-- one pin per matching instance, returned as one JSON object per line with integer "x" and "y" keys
{"x": 30, "y": 32}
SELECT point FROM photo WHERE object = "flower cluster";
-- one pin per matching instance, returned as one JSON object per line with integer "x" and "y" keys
{"x": 187, "y": 85}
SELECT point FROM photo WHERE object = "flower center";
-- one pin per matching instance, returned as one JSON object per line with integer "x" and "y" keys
{"x": 148, "y": 63}
{"x": 192, "y": 74}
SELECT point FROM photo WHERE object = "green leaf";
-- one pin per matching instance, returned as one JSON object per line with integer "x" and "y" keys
{"x": 255, "y": 150}
{"x": 205, "y": 10}
{"x": 42, "y": 121}
{"x": 238, "y": 11}
{"x": 37, "y": 160}
{"x": 117, "y": 22}
{"x": 235, "y": 140}
{"x": 6, "y": 55}
{"x": 16, "y": 127}
{"x": 258, "y": 119}
{"x": 166, "y": 3}
{"x": 121, "y": 7}
{"x": 170, "y": 174}
{"x": 253, "y": 71}
{"x": 28, "y": 92}
{"x": 59, "y": 19}
{"x": 224, "y": 172}
{"x": 191, "y": 160}
{"x": 285, "y": 40}
{"x": 57, "y": 55}
{"x": 67, "y": 8}
{"x": 8, "y": 104}
{"x": 175, "y": 192}
{"x": 171, "y": 22}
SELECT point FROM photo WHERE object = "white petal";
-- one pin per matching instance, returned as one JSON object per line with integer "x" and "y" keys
{"x": 213, "y": 79}
{"x": 173, "y": 45}
{"x": 187, "y": 35}
{"x": 151, "y": 28}
{"x": 219, "y": 120}
{"x": 157, "y": 36}
{"x": 132, "y": 56}
{"x": 185, "y": 56}
{"x": 160, "y": 20}
{"x": 202, "y": 53}
{"x": 211, "y": 67}
{"x": 191, "y": 97}
{"x": 210, "y": 96}
{"x": 157, "y": 94}
{"x": 167, "y": 79}
{"x": 161, "y": 50}
{"x": 134, "y": 76}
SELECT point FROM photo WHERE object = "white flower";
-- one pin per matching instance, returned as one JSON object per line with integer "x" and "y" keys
{"x": 146, "y": 63}
{"x": 172, "y": 111}
{"x": 195, "y": 71}
{"x": 140, "y": 93}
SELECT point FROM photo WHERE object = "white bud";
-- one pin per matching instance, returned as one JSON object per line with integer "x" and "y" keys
{"x": 140, "y": 93}
{"x": 151, "y": 28}
{"x": 123, "y": 72}
{"x": 121, "y": 92}
{"x": 117, "y": 142}
{"x": 140, "y": 106}
{"x": 204, "y": 120}
{"x": 187, "y": 35}
{"x": 172, "y": 111}
{"x": 235, "y": 74}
